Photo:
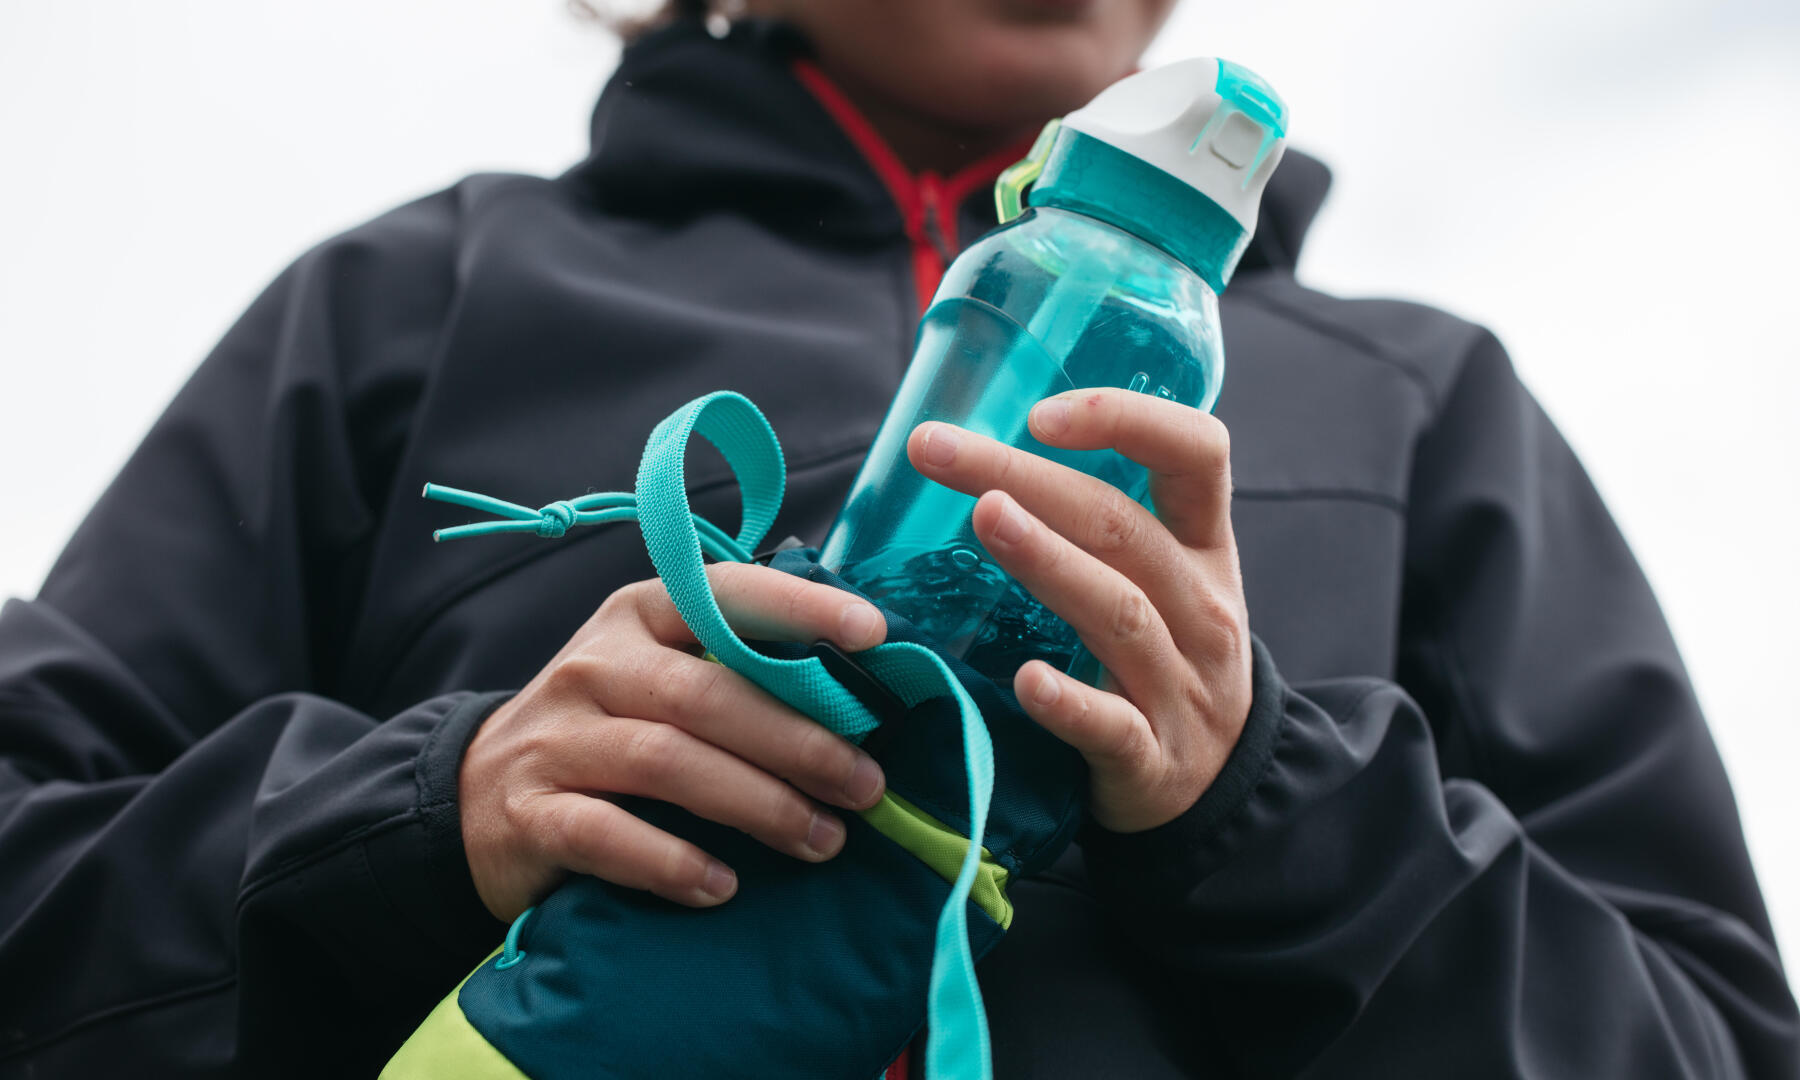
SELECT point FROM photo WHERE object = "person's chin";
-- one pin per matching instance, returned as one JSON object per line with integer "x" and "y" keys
{"x": 1045, "y": 70}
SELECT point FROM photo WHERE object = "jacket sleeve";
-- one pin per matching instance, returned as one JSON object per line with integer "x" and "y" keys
{"x": 1523, "y": 859}
{"x": 209, "y": 862}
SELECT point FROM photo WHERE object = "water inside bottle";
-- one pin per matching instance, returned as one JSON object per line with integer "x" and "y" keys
{"x": 919, "y": 556}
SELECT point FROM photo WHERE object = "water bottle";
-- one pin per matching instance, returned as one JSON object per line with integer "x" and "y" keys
{"x": 1141, "y": 204}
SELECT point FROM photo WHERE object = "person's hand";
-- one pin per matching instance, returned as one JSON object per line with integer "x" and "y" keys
{"x": 1158, "y": 599}
{"x": 628, "y": 708}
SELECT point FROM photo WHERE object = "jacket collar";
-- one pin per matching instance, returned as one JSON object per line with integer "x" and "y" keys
{"x": 690, "y": 125}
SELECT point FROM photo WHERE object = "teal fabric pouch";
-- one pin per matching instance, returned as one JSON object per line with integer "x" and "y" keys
{"x": 810, "y": 970}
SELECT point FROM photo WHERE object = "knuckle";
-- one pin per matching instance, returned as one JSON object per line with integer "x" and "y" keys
{"x": 651, "y": 751}
{"x": 576, "y": 675}
{"x": 1211, "y": 448}
{"x": 615, "y": 600}
{"x": 1101, "y": 412}
{"x": 700, "y": 689}
{"x": 536, "y": 746}
{"x": 1220, "y": 614}
{"x": 1219, "y": 619}
{"x": 1002, "y": 462}
{"x": 1218, "y": 434}
{"x": 518, "y": 810}
{"x": 1130, "y": 749}
{"x": 794, "y": 600}
{"x": 1131, "y": 616}
{"x": 565, "y": 833}
{"x": 626, "y": 598}
{"x": 683, "y": 869}
{"x": 786, "y": 814}
{"x": 822, "y": 756}
{"x": 737, "y": 578}
{"x": 1115, "y": 528}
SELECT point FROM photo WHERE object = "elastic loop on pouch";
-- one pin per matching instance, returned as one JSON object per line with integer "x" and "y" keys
{"x": 510, "y": 953}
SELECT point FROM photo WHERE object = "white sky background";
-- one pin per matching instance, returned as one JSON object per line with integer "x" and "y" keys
{"x": 1608, "y": 185}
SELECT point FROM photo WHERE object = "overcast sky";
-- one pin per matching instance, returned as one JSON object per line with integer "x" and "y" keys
{"x": 1605, "y": 184}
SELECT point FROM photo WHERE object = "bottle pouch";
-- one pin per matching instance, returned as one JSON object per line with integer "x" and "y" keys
{"x": 817, "y": 970}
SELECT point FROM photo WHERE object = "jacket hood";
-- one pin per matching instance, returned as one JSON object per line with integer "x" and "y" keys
{"x": 693, "y": 124}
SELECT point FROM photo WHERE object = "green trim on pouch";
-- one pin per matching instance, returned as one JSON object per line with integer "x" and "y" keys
{"x": 942, "y": 848}
{"x": 447, "y": 1047}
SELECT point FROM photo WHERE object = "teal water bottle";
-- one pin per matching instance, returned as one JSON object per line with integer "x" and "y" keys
{"x": 1140, "y": 206}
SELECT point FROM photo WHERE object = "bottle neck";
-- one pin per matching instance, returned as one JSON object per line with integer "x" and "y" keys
{"x": 1091, "y": 177}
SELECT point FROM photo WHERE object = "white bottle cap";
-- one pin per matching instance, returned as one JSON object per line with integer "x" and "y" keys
{"x": 1211, "y": 124}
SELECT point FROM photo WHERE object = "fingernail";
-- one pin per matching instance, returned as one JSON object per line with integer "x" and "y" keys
{"x": 1051, "y": 417}
{"x": 940, "y": 444}
{"x": 825, "y": 836}
{"x": 1047, "y": 689}
{"x": 864, "y": 783}
{"x": 1010, "y": 529}
{"x": 857, "y": 626}
{"x": 720, "y": 882}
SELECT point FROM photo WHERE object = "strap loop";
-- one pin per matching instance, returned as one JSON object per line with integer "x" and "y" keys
{"x": 732, "y": 424}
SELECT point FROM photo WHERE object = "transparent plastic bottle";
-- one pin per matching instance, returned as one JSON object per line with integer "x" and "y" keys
{"x": 1138, "y": 215}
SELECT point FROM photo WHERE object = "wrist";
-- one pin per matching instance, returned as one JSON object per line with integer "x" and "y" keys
{"x": 1177, "y": 854}
{"x": 439, "y": 775}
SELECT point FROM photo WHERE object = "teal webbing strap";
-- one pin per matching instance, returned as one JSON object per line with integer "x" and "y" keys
{"x": 730, "y": 422}
{"x": 956, "y": 1034}
{"x": 957, "y": 1037}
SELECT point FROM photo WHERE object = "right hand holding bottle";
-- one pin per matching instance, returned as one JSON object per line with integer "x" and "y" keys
{"x": 628, "y": 707}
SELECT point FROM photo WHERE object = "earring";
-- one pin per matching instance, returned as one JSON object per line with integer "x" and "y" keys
{"x": 720, "y": 18}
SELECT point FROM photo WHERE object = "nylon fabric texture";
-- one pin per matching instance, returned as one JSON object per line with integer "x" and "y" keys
{"x": 957, "y": 1039}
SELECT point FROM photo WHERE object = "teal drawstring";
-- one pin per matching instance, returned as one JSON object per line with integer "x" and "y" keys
{"x": 956, "y": 1025}
{"x": 553, "y": 521}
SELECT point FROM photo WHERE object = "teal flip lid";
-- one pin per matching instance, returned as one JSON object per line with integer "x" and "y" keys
{"x": 1178, "y": 155}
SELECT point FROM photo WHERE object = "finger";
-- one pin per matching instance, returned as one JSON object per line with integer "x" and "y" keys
{"x": 661, "y": 761}
{"x": 1096, "y": 516}
{"x": 1188, "y": 452}
{"x": 1110, "y": 613}
{"x": 603, "y": 839}
{"x": 1112, "y": 734}
{"x": 719, "y": 706}
{"x": 760, "y": 602}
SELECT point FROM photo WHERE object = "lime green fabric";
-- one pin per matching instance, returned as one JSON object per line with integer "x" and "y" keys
{"x": 447, "y": 1047}
{"x": 943, "y": 849}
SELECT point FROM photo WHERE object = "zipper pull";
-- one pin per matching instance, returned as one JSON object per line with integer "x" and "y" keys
{"x": 931, "y": 201}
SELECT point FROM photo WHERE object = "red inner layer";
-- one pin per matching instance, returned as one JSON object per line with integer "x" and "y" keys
{"x": 927, "y": 201}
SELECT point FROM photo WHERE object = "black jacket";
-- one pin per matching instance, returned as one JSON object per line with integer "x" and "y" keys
{"x": 1476, "y": 826}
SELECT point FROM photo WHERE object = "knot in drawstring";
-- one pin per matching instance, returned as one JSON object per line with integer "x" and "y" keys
{"x": 555, "y": 519}
{"x": 552, "y": 522}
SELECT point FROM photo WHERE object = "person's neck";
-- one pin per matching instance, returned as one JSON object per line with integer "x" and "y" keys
{"x": 922, "y": 143}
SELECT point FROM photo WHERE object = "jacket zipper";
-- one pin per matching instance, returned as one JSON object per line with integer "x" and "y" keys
{"x": 927, "y": 202}
{"x": 937, "y": 231}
